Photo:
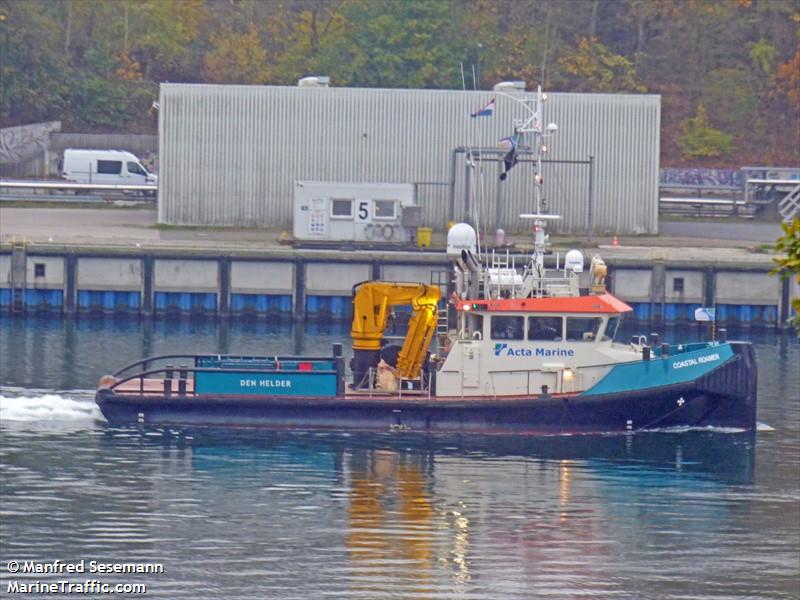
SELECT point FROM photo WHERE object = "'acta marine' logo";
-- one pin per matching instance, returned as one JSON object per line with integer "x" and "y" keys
{"x": 506, "y": 350}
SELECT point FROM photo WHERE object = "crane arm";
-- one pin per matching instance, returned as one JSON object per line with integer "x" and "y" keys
{"x": 371, "y": 302}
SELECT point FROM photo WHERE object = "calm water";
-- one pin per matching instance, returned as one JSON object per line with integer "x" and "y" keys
{"x": 259, "y": 514}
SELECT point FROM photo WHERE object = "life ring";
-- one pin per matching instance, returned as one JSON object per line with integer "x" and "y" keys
{"x": 388, "y": 232}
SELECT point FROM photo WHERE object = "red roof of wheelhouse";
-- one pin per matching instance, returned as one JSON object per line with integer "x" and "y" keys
{"x": 602, "y": 303}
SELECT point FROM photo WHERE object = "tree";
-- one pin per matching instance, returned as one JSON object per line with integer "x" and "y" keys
{"x": 394, "y": 44}
{"x": 236, "y": 57}
{"x": 594, "y": 68}
{"x": 789, "y": 266}
{"x": 299, "y": 35}
{"x": 34, "y": 76}
{"x": 731, "y": 92}
{"x": 787, "y": 81}
{"x": 159, "y": 33}
{"x": 700, "y": 139}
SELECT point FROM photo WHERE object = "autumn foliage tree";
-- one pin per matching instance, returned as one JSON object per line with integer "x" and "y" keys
{"x": 701, "y": 140}
{"x": 97, "y": 64}
{"x": 236, "y": 57}
{"x": 595, "y": 68}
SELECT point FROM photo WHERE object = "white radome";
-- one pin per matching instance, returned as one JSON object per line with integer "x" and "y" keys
{"x": 573, "y": 261}
{"x": 461, "y": 237}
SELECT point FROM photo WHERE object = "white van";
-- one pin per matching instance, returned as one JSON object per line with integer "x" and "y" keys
{"x": 104, "y": 166}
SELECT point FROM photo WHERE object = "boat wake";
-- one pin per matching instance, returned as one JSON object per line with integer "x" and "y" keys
{"x": 26, "y": 405}
{"x": 703, "y": 428}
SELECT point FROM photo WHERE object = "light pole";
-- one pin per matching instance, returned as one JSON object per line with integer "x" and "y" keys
{"x": 477, "y": 81}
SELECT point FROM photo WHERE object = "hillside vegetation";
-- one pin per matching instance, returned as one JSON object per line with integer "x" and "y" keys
{"x": 728, "y": 71}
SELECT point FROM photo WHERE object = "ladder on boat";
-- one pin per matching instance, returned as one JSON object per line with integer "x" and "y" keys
{"x": 442, "y": 278}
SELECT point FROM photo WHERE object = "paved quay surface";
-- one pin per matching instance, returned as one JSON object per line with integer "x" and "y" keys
{"x": 132, "y": 228}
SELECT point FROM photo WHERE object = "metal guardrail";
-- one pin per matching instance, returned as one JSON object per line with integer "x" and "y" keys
{"x": 705, "y": 207}
{"x": 760, "y": 188}
{"x": 702, "y": 200}
{"x": 68, "y": 192}
{"x": 69, "y": 185}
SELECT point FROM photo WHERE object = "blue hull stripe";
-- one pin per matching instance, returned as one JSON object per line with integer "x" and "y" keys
{"x": 678, "y": 368}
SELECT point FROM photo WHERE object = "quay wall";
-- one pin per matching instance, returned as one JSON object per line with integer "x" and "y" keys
{"x": 300, "y": 285}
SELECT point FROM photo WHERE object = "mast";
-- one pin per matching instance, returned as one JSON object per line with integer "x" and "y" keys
{"x": 533, "y": 125}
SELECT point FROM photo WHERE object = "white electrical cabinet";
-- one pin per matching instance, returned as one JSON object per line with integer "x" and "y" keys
{"x": 375, "y": 213}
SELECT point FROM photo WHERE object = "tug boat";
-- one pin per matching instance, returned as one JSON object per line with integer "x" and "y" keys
{"x": 521, "y": 351}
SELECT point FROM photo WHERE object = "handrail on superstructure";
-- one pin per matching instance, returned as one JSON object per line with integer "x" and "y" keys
{"x": 194, "y": 357}
{"x": 149, "y": 359}
{"x": 141, "y": 375}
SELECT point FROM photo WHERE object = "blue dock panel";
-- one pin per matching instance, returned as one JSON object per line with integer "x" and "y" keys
{"x": 329, "y": 307}
{"x": 261, "y": 304}
{"x": 186, "y": 302}
{"x": 109, "y": 301}
{"x": 36, "y": 299}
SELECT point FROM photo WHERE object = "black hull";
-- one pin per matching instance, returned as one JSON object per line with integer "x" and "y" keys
{"x": 726, "y": 397}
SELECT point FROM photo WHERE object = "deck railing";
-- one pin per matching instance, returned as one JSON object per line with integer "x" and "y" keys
{"x": 221, "y": 363}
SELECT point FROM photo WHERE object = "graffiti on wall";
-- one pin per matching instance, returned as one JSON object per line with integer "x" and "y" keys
{"x": 701, "y": 177}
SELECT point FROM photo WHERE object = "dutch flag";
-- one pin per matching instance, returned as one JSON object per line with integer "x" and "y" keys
{"x": 486, "y": 111}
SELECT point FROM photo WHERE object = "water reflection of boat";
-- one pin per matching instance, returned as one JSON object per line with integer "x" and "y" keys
{"x": 403, "y": 515}
{"x": 727, "y": 457}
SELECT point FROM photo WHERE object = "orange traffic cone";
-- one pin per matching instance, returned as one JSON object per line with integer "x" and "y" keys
{"x": 614, "y": 242}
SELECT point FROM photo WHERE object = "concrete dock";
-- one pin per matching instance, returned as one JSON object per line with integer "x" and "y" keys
{"x": 73, "y": 260}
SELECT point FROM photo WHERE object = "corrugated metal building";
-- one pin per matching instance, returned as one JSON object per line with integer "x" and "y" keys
{"x": 229, "y": 155}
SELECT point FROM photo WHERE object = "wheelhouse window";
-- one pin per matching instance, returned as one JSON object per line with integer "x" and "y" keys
{"x": 109, "y": 167}
{"x": 611, "y": 328}
{"x": 583, "y": 329}
{"x": 342, "y": 208}
{"x": 508, "y": 328}
{"x": 385, "y": 209}
{"x": 544, "y": 328}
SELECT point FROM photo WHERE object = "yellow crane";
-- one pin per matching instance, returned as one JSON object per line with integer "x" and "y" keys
{"x": 371, "y": 309}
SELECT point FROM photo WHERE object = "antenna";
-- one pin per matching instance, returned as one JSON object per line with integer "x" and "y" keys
{"x": 478, "y": 196}
{"x": 533, "y": 124}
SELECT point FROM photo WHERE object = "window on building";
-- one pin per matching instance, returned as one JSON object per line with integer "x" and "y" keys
{"x": 109, "y": 167}
{"x": 544, "y": 329}
{"x": 508, "y": 328}
{"x": 342, "y": 208}
{"x": 611, "y": 328}
{"x": 583, "y": 329}
{"x": 385, "y": 209}
{"x": 677, "y": 285}
{"x": 38, "y": 269}
{"x": 136, "y": 169}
